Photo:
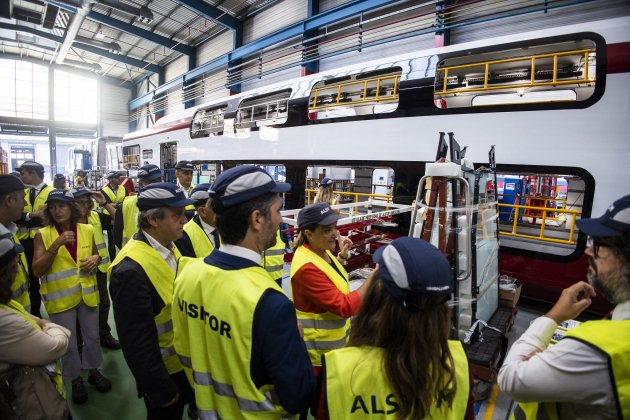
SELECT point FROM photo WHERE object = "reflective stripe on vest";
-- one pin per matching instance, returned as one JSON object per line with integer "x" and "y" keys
{"x": 220, "y": 377}
{"x": 118, "y": 197}
{"x": 19, "y": 288}
{"x": 334, "y": 335}
{"x": 198, "y": 238}
{"x": 18, "y": 309}
{"x": 357, "y": 386}
{"x": 99, "y": 240}
{"x": 161, "y": 276}
{"x": 40, "y": 200}
{"x": 64, "y": 285}
{"x": 129, "y": 217}
{"x": 273, "y": 259}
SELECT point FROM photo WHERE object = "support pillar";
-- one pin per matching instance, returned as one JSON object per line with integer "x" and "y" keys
{"x": 52, "y": 127}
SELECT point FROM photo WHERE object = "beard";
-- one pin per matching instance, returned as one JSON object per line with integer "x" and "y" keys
{"x": 599, "y": 283}
{"x": 273, "y": 236}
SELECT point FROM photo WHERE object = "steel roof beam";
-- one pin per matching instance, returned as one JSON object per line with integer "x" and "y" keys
{"x": 95, "y": 50}
{"x": 213, "y": 13}
{"x": 139, "y": 32}
{"x": 322, "y": 19}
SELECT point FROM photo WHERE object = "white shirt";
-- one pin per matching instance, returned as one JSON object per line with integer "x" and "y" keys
{"x": 164, "y": 252}
{"x": 208, "y": 229}
{"x": 570, "y": 372}
{"x": 8, "y": 231}
{"x": 239, "y": 251}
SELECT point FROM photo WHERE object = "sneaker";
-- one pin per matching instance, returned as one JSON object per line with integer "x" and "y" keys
{"x": 79, "y": 393}
{"x": 110, "y": 342}
{"x": 97, "y": 379}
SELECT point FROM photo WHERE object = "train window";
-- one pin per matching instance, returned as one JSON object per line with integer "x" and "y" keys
{"x": 264, "y": 110}
{"x": 147, "y": 154}
{"x": 207, "y": 121}
{"x": 552, "y": 72}
{"x": 131, "y": 156}
{"x": 358, "y": 94}
{"x": 537, "y": 212}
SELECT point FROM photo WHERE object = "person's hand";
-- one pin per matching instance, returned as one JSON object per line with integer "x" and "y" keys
{"x": 89, "y": 264}
{"x": 344, "y": 246}
{"x": 173, "y": 401}
{"x": 37, "y": 214}
{"x": 99, "y": 197}
{"x": 64, "y": 238}
{"x": 572, "y": 302}
{"x": 41, "y": 322}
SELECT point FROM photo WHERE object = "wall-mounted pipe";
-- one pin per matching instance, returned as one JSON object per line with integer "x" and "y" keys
{"x": 73, "y": 30}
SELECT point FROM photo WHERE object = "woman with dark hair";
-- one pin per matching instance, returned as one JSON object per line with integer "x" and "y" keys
{"x": 26, "y": 340}
{"x": 319, "y": 283}
{"x": 325, "y": 193}
{"x": 399, "y": 363}
{"x": 66, "y": 258}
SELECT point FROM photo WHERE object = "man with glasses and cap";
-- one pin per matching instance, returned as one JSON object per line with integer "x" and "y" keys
{"x": 236, "y": 332}
{"x": 200, "y": 234}
{"x": 184, "y": 173}
{"x": 141, "y": 286}
{"x": 12, "y": 204}
{"x": 586, "y": 374}
{"x": 125, "y": 219}
{"x": 32, "y": 174}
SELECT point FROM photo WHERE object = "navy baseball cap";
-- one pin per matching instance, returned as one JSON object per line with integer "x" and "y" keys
{"x": 200, "y": 194}
{"x": 185, "y": 165}
{"x": 161, "y": 194}
{"x": 60, "y": 195}
{"x": 615, "y": 222}
{"x": 243, "y": 183}
{"x": 149, "y": 172}
{"x": 80, "y": 192}
{"x": 114, "y": 174}
{"x": 8, "y": 251}
{"x": 326, "y": 182}
{"x": 317, "y": 214}
{"x": 411, "y": 265}
{"x": 59, "y": 177}
{"x": 9, "y": 184}
{"x": 31, "y": 165}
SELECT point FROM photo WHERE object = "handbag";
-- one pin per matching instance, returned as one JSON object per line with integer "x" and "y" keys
{"x": 29, "y": 392}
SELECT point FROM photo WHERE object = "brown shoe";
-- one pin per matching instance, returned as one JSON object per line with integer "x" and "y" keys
{"x": 79, "y": 393}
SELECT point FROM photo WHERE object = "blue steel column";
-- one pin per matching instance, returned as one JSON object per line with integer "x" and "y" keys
{"x": 161, "y": 81}
{"x": 309, "y": 48}
{"x": 237, "y": 42}
{"x": 442, "y": 36}
{"x": 52, "y": 127}
{"x": 192, "y": 63}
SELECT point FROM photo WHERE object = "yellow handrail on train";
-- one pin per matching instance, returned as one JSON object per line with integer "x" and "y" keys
{"x": 355, "y": 211}
{"x": 364, "y": 96}
{"x": 532, "y": 82}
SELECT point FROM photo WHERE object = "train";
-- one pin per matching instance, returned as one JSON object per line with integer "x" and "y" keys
{"x": 553, "y": 103}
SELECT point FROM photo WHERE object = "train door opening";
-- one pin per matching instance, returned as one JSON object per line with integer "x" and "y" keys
{"x": 168, "y": 159}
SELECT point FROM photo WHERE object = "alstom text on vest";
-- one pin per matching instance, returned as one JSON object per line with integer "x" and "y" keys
{"x": 198, "y": 312}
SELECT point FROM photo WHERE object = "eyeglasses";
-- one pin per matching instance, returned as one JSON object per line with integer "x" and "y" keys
{"x": 595, "y": 244}
{"x": 84, "y": 202}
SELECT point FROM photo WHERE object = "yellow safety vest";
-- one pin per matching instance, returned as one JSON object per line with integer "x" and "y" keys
{"x": 273, "y": 259}
{"x": 187, "y": 192}
{"x": 325, "y": 331}
{"x": 357, "y": 385}
{"x": 18, "y": 309}
{"x": 198, "y": 238}
{"x": 161, "y": 276}
{"x": 19, "y": 288}
{"x": 612, "y": 338}
{"x": 40, "y": 200}
{"x": 64, "y": 285}
{"x": 101, "y": 246}
{"x": 130, "y": 214}
{"x": 214, "y": 341}
{"x": 117, "y": 197}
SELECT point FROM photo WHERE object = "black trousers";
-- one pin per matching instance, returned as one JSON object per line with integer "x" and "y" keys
{"x": 33, "y": 286}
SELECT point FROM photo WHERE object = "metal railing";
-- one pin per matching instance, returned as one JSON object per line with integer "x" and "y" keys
{"x": 354, "y": 199}
{"x": 487, "y": 71}
{"x": 542, "y": 213}
{"x": 365, "y": 92}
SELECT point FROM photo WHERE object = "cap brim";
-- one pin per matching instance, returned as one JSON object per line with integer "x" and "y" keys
{"x": 281, "y": 187}
{"x": 181, "y": 203}
{"x": 596, "y": 227}
{"x": 329, "y": 219}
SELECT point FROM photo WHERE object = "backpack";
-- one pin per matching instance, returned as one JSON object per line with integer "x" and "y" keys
{"x": 29, "y": 392}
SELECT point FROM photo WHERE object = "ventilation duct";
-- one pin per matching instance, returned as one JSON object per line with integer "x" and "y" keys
{"x": 143, "y": 14}
{"x": 83, "y": 65}
{"x": 112, "y": 47}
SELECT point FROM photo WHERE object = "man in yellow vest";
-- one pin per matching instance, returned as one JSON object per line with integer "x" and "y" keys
{"x": 36, "y": 194}
{"x": 114, "y": 193}
{"x": 586, "y": 375}
{"x": 141, "y": 286}
{"x": 273, "y": 260}
{"x": 236, "y": 332}
{"x": 11, "y": 207}
{"x": 125, "y": 219}
{"x": 200, "y": 234}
